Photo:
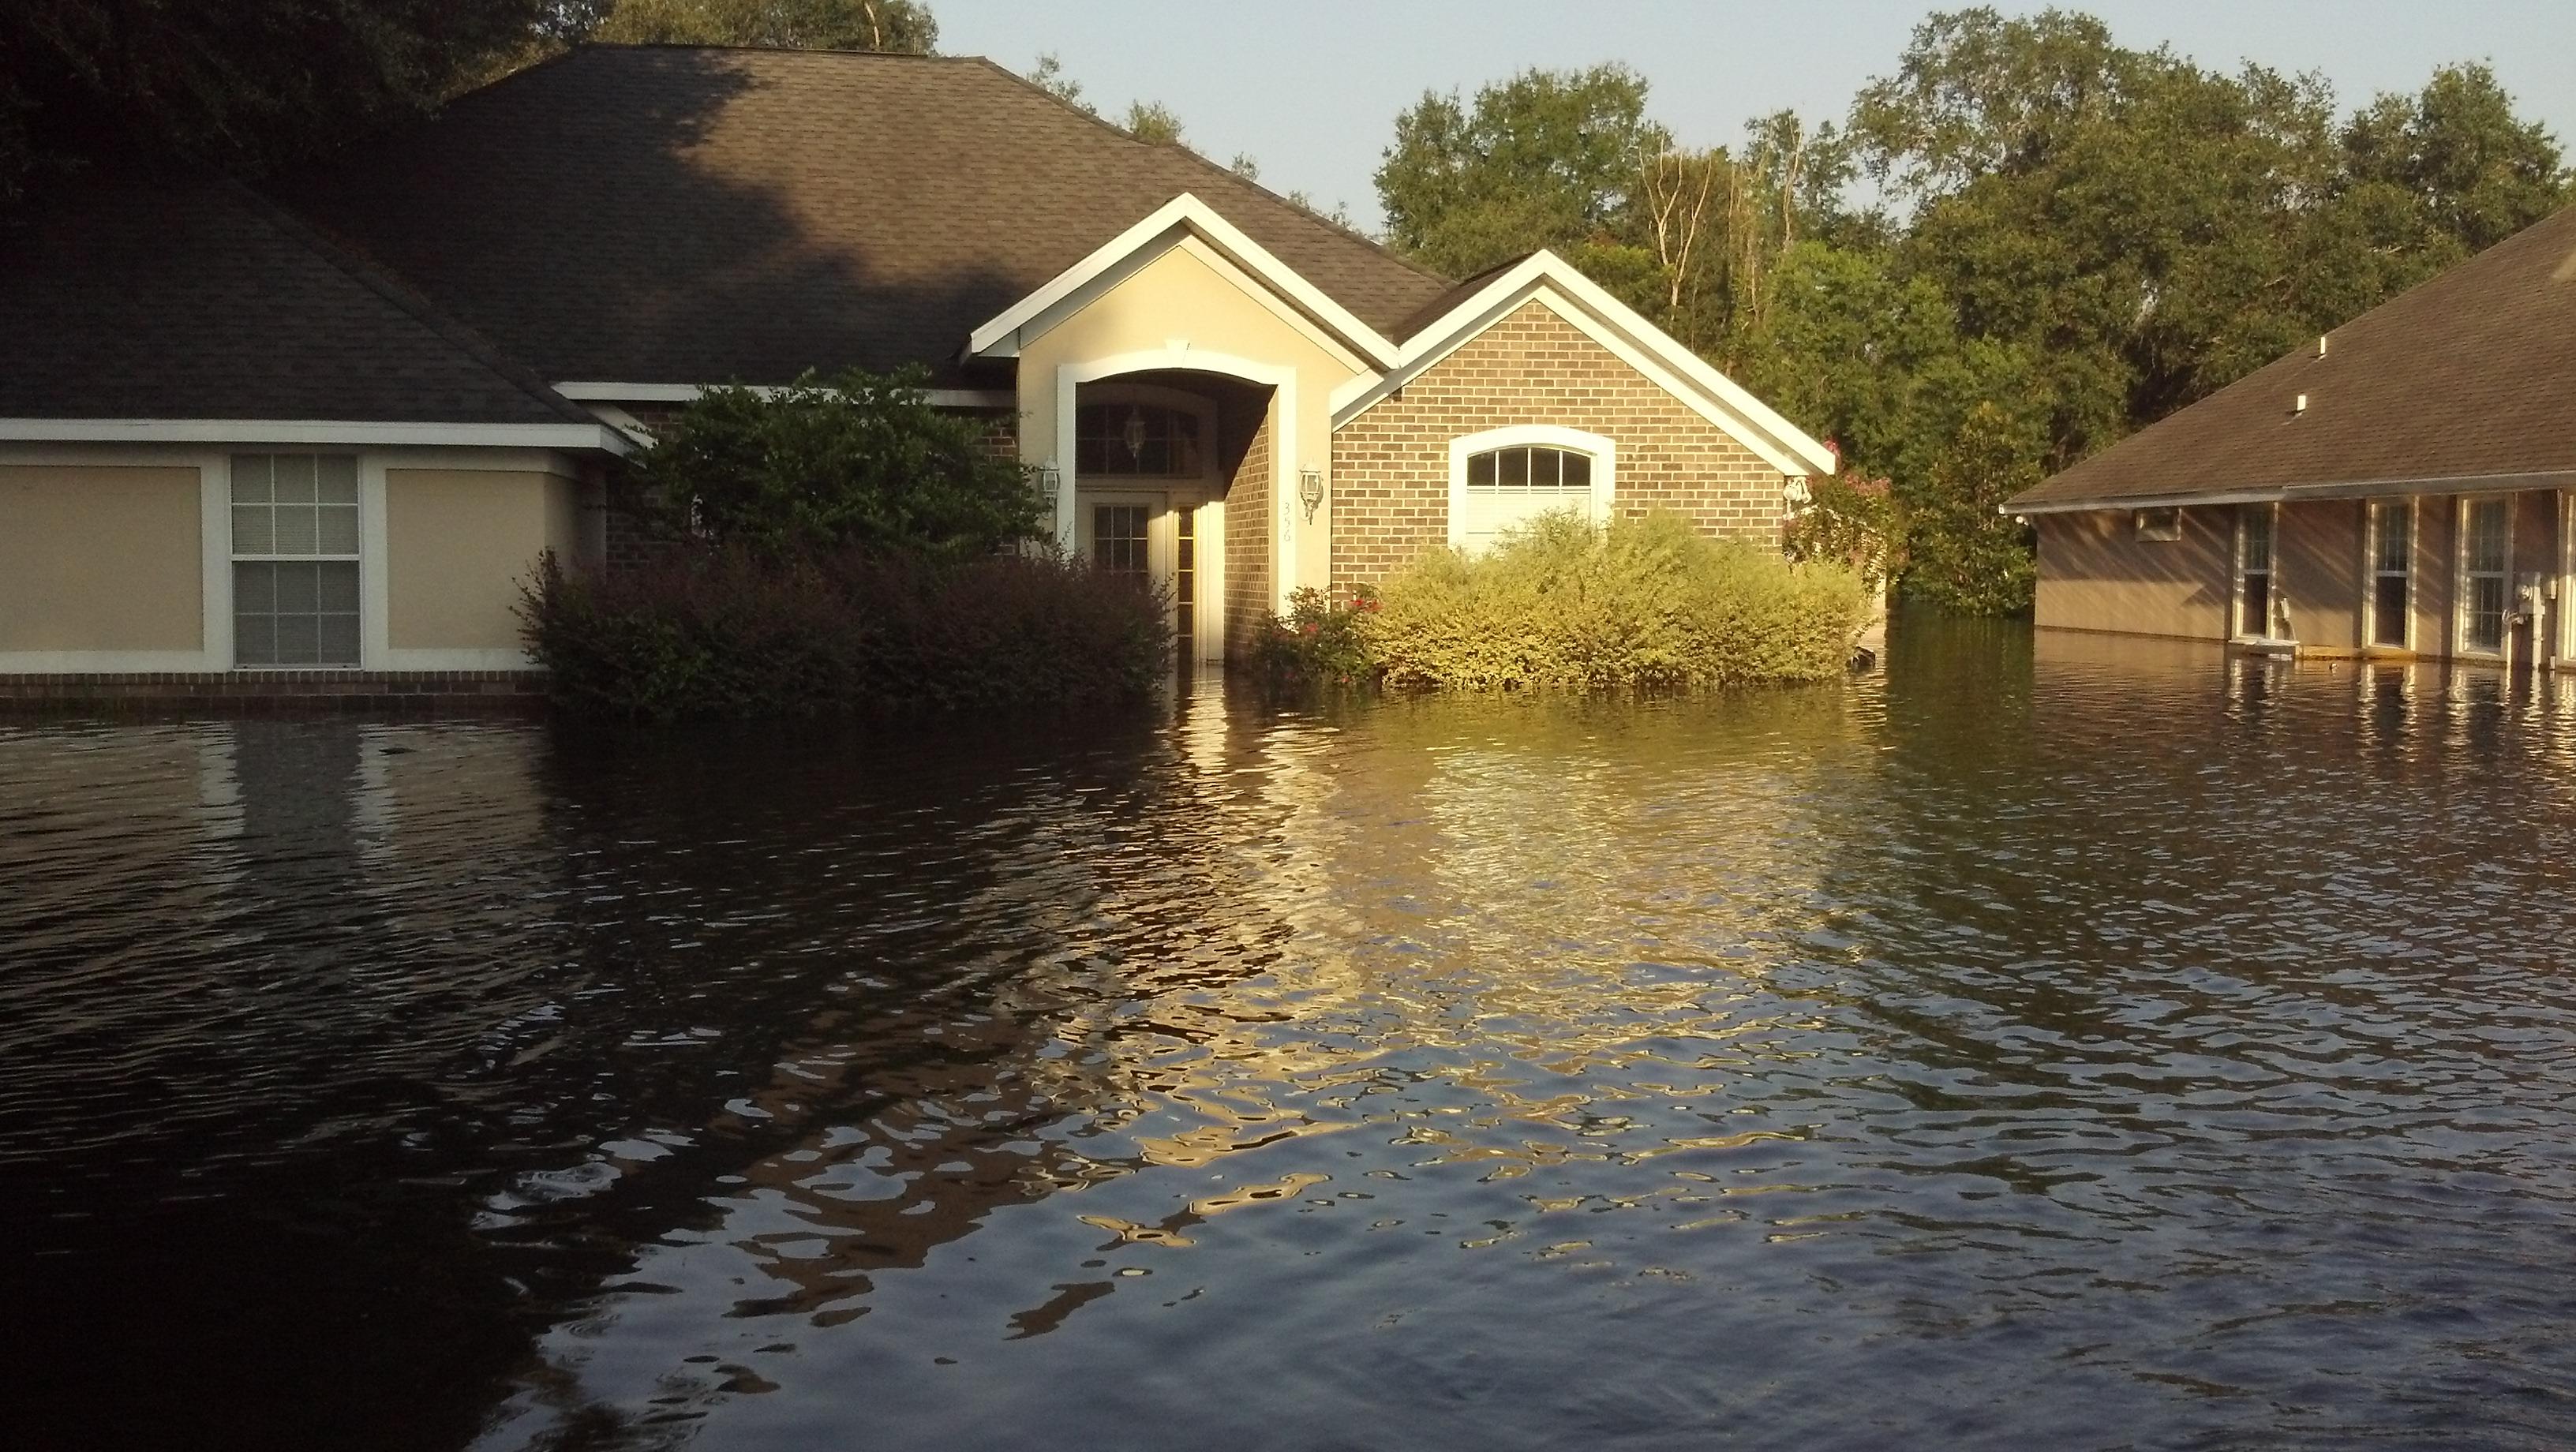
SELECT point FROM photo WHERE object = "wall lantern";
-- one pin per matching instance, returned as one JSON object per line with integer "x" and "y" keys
{"x": 1310, "y": 491}
{"x": 1133, "y": 436}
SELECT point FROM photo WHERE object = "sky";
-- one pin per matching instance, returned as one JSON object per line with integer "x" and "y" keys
{"x": 1310, "y": 89}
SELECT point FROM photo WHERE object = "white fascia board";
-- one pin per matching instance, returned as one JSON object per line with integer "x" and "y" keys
{"x": 1000, "y": 338}
{"x": 690, "y": 392}
{"x": 2296, "y": 493}
{"x": 1620, "y": 328}
{"x": 313, "y": 431}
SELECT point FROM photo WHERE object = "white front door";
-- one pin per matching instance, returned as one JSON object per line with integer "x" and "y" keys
{"x": 1160, "y": 540}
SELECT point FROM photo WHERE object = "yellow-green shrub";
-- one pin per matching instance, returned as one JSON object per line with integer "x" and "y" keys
{"x": 1562, "y": 605}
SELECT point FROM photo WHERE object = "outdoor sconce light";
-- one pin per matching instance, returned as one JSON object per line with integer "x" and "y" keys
{"x": 1310, "y": 491}
{"x": 1050, "y": 481}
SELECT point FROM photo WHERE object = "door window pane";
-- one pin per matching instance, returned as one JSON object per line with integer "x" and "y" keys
{"x": 1118, "y": 541}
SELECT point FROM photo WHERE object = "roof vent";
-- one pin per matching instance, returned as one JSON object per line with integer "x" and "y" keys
{"x": 2321, "y": 344}
{"x": 2301, "y": 406}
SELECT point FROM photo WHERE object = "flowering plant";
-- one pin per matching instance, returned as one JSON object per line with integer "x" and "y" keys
{"x": 1321, "y": 640}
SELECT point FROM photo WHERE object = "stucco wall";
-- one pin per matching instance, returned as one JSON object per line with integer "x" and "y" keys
{"x": 1179, "y": 297}
{"x": 1390, "y": 499}
{"x": 2096, "y": 574}
{"x": 457, "y": 545}
{"x": 97, "y": 558}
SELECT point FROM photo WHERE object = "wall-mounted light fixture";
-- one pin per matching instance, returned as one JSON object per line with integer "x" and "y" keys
{"x": 1050, "y": 481}
{"x": 1310, "y": 491}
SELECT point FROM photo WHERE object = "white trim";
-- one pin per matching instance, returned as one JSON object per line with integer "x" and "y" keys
{"x": 2370, "y": 571}
{"x": 586, "y": 393}
{"x": 1283, "y": 442}
{"x": 2460, "y": 611}
{"x": 1550, "y": 279}
{"x": 1181, "y": 240}
{"x": 1605, "y": 465}
{"x": 1001, "y": 336}
{"x": 2337, "y": 489}
{"x": 2271, "y": 572}
{"x": 252, "y": 435}
{"x": 375, "y": 580}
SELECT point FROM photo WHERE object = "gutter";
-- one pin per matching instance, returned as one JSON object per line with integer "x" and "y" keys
{"x": 2292, "y": 493}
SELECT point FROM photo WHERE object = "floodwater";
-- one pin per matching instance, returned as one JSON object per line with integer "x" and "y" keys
{"x": 2086, "y": 1046}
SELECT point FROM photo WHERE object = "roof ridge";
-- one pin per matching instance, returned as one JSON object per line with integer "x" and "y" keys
{"x": 1228, "y": 173}
{"x": 385, "y": 284}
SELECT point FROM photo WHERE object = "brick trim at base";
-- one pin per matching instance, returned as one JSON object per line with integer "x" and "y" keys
{"x": 456, "y": 692}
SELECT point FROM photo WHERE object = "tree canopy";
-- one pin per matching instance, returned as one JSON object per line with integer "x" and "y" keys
{"x": 902, "y": 26}
{"x": 2068, "y": 239}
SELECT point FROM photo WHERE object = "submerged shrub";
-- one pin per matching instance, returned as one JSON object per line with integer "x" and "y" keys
{"x": 1562, "y": 605}
{"x": 731, "y": 632}
{"x": 1319, "y": 641}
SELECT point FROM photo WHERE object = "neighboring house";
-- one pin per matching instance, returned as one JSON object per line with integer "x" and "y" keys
{"x": 2401, "y": 487}
{"x": 332, "y": 427}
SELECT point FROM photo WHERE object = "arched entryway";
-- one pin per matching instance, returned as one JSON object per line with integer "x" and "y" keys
{"x": 1169, "y": 474}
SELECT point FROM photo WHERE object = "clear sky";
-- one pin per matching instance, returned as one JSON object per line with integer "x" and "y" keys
{"x": 1311, "y": 88}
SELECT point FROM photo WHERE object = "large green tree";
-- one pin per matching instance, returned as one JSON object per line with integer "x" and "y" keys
{"x": 904, "y": 26}
{"x": 243, "y": 85}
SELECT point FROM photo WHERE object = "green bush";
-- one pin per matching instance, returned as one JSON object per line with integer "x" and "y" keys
{"x": 1561, "y": 605}
{"x": 738, "y": 633}
{"x": 857, "y": 458}
{"x": 1319, "y": 642}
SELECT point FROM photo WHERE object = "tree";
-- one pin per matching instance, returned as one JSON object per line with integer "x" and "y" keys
{"x": 1960, "y": 553}
{"x": 2476, "y": 172}
{"x": 1048, "y": 76}
{"x": 1545, "y": 159}
{"x": 902, "y": 26}
{"x": 244, "y": 86}
{"x": 853, "y": 459}
{"x": 1154, "y": 123}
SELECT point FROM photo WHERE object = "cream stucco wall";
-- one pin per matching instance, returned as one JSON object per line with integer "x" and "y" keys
{"x": 457, "y": 545}
{"x": 101, "y": 558}
{"x": 1189, "y": 299}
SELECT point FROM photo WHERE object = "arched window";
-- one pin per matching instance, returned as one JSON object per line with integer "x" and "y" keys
{"x": 1135, "y": 439}
{"x": 1503, "y": 478}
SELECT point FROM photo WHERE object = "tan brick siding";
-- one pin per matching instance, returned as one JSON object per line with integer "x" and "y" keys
{"x": 1391, "y": 464}
{"x": 1247, "y": 544}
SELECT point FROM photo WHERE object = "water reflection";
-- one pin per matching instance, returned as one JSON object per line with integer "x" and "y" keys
{"x": 2082, "y": 1043}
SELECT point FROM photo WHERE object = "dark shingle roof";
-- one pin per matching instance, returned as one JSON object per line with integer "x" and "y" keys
{"x": 188, "y": 297}
{"x": 2470, "y": 374}
{"x": 1440, "y": 306}
{"x": 684, "y": 215}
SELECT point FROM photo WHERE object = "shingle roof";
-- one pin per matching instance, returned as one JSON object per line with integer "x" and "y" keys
{"x": 2470, "y": 374}
{"x": 189, "y": 297}
{"x": 687, "y": 215}
{"x": 1441, "y": 305}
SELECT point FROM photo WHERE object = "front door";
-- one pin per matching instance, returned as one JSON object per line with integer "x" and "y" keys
{"x": 1163, "y": 540}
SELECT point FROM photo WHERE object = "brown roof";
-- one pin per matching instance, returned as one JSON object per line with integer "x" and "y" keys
{"x": 2470, "y": 374}
{"x": 189, "y": 297}
{"x": 689, "y": 215}
{"x": 1440, "y": 307}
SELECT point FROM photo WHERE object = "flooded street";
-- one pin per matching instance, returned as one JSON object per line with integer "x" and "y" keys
{"x": 2106, "y": 1047}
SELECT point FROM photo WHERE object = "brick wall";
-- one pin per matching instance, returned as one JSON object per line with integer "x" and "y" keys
{"x": 1247, "y": 544}
{"x": 1391, "y": 464}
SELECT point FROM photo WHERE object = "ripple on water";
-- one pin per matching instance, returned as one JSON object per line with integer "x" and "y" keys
{"x": 2111, "y": 1047}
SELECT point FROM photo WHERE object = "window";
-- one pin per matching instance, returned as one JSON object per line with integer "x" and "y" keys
{"x": 2392, "y": 552}
{"x": 2254, "y": 597}
{"x": 1503, "y": 479}
{"x": 295, "y": 559}
{"x": 1185, "y": 576}
{"x": 1119, "y": 542}
{"x": 2486, "y": 552}
{"x": 1135, "y": 439}
{"x": 2159, "y": 524}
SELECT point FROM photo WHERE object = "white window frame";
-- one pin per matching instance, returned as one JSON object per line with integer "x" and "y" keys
{"x": 1603, "y": 450}
{"x": 2271, "y": 572}
{"x": 2462, "y": 579}
{"x": 2166, "y": 533}
{"x": 2371, "y": 573}
{"x": 356, "y": 555}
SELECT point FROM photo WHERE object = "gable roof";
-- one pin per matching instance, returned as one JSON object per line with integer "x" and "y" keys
{"x": 1449, "y": 321}
{"x": 190, "y": 298}
{"x": 679, "y": 215}
{"x": 2468, "y": 377}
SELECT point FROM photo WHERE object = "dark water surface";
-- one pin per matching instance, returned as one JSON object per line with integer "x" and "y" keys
{"x": 2116, "y": 1048}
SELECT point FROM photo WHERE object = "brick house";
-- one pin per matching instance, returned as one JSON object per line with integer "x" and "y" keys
{"x": 327, "y": 428}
